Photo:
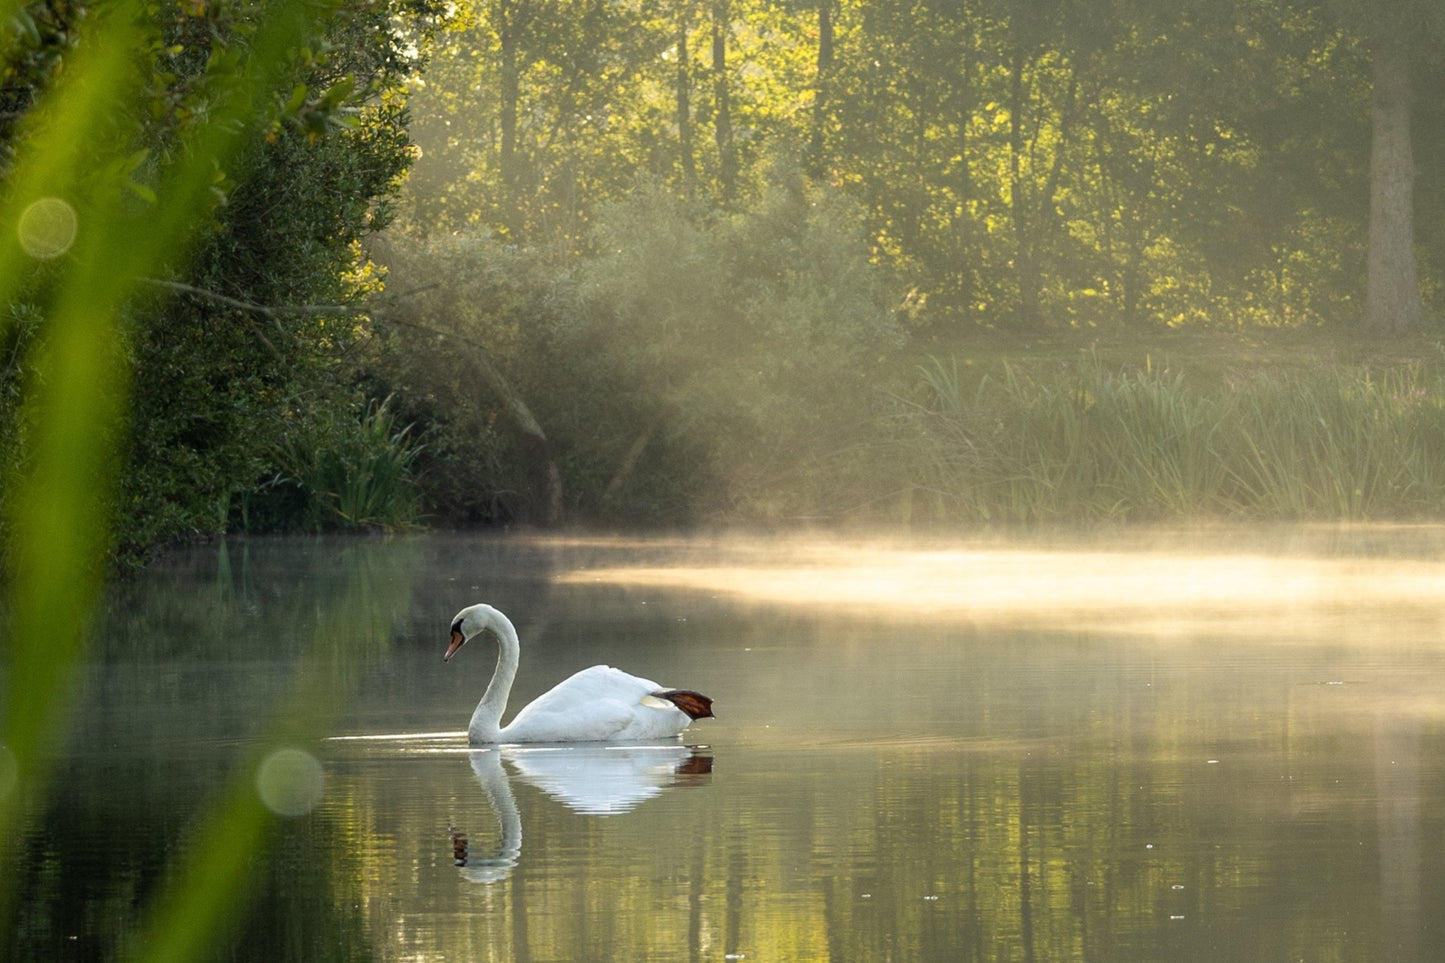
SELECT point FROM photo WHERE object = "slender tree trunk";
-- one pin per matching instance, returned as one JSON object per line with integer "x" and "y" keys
{"x": 684, "y": 107}
{"x": 1105, "y": 206}
{"x": 727, "y": 151}
{"x": 964, "y": 256}
{"x": 822, "y": 79}
{"x": 543, "y": 468}
{"x": 629, "y": 458}
{"x": 1066, "y": 127}
{"x": 510, "y": 93}
{"x": 1392, "y": 292}
{"x": 1025, "y": 267}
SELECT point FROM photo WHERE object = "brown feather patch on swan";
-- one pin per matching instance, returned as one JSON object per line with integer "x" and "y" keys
{"x": 695, "y": 704}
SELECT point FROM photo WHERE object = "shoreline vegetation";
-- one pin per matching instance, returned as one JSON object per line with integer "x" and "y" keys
{"x": 1279, "y": 426}
{"x": 1063, "y": 428}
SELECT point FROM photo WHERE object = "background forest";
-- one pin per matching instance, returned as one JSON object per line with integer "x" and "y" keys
{"x": 671, "y": 261}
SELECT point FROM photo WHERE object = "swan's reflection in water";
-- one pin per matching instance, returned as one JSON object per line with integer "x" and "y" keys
{"x": 600, "y": 780}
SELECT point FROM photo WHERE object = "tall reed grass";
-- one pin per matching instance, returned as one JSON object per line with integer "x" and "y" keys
{"x": 1087, "y": 442}
{"x": 342, "y": 472}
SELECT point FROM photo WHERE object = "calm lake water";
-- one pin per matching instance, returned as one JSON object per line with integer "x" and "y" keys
{"x": 1168, "y": 746}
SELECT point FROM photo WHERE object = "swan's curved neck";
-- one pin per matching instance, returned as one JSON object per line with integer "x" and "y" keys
{"x": 486, "y": 724}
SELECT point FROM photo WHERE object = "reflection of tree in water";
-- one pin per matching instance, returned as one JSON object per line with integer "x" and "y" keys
{"x": 1397, "y": 803}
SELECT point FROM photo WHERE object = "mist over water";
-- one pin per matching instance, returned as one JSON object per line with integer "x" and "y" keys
{"x": 1164, "y": 745}
{"x": 1165, "y": 584}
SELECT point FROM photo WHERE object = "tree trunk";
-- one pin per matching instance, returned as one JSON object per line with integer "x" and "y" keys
{"x": 510, "y": 94}
{"x": 684, "y": 109}
{"x": 817, "y": 139}
{"x": 727, "y": 151}
{"x": 1392, "y": 291}
{"x": 630, "y": 458}
{"x": 962, "y": 280}
{"x": 547, "y": 477}
{"x": 1026, "y": 268}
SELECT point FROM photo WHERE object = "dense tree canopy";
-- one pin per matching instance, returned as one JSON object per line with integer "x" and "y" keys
{"x": 654, "y": 256}
{"x": 1069, "y": 162}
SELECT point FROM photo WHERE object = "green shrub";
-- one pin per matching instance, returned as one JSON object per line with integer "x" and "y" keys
{"x": 744, "y": 342}
{"x": 694, "y": 364}
{"x": 339, "y": 469}
{"x": 468, "y": 307}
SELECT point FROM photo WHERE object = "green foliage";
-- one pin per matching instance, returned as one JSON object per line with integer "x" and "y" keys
{"x": 16, "y": 340}
{"x": 339, "y": 471}
{"x": 1089, "y": 443}
{"x": 683, "y": 368}
{"x": 1014, "y": 163}
{"x": 461, "y": 312}
{"x": 694, "y": 325}
{"x": 226, "y": 343}
{"x": 750, "y": 331}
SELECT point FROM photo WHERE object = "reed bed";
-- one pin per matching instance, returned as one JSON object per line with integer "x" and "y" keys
{"x": 340, "y": 473}
{"x": 1086, "y": 442}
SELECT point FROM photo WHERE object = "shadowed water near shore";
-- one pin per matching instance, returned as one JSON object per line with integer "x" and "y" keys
{"x": 1175, "y": 745}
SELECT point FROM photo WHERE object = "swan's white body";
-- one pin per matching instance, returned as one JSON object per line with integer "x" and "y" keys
{"x": 599, "y": 704}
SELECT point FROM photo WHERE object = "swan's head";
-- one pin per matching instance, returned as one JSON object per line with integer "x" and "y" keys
{"x": 471, "y": 622}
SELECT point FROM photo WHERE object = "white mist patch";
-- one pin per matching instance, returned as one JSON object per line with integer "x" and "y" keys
{"x": 290, "y": 782}
{"x": 1153, "y": 591}
{"x": 47, "y": 228}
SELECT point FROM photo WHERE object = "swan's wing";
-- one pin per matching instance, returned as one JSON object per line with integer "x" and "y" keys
{"x": 596, "y": 704}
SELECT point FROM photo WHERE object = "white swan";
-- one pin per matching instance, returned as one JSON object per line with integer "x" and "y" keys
{"x": 600, "y": 704}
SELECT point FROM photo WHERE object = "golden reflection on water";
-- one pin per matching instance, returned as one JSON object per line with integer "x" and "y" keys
{"x": 918, "y": 789}
{"x": 1156, "y": 591}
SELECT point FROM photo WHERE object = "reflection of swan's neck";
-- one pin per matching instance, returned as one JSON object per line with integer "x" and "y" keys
{"x": 486, "y": 724}
{"x": 487, "y": 764}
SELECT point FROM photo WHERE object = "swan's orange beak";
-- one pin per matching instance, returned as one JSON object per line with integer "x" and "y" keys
{"x": 457, "y": 640}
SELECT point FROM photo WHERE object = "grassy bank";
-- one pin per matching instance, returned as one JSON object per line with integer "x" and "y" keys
{"x": 1290, "y": 426}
